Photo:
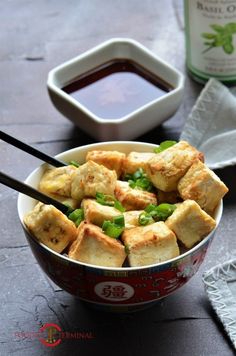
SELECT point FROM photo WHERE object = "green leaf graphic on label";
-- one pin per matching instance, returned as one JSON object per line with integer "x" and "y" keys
{"x": 223, "y": 37}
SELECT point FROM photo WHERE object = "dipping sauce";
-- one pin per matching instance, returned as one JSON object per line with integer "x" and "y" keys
{"x": 116, "y": 88}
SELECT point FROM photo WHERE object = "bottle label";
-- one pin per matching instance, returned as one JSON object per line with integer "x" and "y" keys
{"x": 211, "y": 38}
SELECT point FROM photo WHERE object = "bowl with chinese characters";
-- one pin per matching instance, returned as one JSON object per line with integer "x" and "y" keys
{"x": 110, "y": 288}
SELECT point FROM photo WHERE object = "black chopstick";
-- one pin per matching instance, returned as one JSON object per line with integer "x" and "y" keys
{"x": 31, "y": 150}
{"x": 33, "y": 193}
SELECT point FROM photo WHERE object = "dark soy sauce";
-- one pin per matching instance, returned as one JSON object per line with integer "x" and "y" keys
{"x": 116, "y": 88}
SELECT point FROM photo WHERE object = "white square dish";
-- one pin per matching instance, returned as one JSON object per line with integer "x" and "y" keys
{"x": 142, "y": 118}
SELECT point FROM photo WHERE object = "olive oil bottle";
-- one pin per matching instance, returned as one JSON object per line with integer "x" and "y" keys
{"x": 210, "y": 29}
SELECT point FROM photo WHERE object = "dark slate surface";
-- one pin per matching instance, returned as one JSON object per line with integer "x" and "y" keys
{"x": 35, "y": 36}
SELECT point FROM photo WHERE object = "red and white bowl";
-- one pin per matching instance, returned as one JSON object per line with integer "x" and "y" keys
{"x": 113, "y": 289}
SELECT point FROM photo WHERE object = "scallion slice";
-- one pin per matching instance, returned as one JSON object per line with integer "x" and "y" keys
{"x": 109, "y": 200}
{"x": 145, "y": 218}
{"x": 154, "y": 213}
{"x": 164, "y": 145}
{"x": 77, "y": 216}
{"x": 119, "y": 206}
{"x": 139, "y": 180}
{"x": 114, "y": 228}
{"x": 74, "y": 163}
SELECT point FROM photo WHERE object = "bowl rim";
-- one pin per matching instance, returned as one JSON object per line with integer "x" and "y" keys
{"x": 21, "y": 197}
{"x": 92, "y": 52}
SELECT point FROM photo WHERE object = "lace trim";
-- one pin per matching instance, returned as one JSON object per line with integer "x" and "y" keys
{"x": 195, "y": 124}
{"x": 221, "y": 296}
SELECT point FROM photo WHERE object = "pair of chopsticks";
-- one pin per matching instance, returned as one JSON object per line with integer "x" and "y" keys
{"x": 24, "y": 188}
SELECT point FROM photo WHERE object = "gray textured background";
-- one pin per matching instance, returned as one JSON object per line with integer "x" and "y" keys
{"x": 36, "y": 36}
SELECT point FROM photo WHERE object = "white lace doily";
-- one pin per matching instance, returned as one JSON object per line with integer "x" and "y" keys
{"x": 211, "y": 125}
{"x": 220, "y": 286}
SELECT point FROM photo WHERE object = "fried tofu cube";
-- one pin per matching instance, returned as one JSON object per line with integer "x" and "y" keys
{"x": 73, "y": 203}
{"x": 190, "y": 223}
{"x": 111, "y": 159}
{"x": 136, "y": 160}
{"x": 150, "y": 244}
{"x": 57, "y": 181}
{"x": 202, "y": 185}
{"x": 133, "y": 199}
{"x": 132, "y": 218}
{"x": 91, "y": 178}
{"x": 51, "y": 227}
{"x": 94, "y": 247}
{"x": 167, "y": 167}
{"x": 96, "y": 213}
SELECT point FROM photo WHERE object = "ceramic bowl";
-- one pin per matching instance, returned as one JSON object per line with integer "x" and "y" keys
{"x": 113, "y": 289}
{"x": 131, "y": 125}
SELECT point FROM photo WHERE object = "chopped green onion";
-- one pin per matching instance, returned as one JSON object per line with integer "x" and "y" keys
{"x": 145, "y": 218}
{"x": 144, "y": 184}
{"x": 150, "y": 207}
{"x": 114, "y": 228}
{"x": 131, "y": 183}
{"x": 139, "y": 180}
{"x": 119, "y": 206}
{"x": 74, "y": 163}
{"x": 138, "y": 174}
{"x": 77, "y": 216}
{"x": 154, "y": 213}
{"x": 105, "y": 199}
{"x": 160, "y": 212}
{"x": 164, "y": 145}
{"x": 119, "y": 220}
{"x": 166, "y": 209}
{"x": 109, "y": 200}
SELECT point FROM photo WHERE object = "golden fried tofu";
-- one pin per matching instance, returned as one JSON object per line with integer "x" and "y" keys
{"x": 132, "y": 218}
{"x": 111, "y": 159}
{"x": 133, "y": 199}
{"x": 136, "y": 160}
{"x": 190, "y": 223}
{"x": 73, "y": 203}
{"x": 150, "y": 244}
{"x": 96, "y": 213}
{"x": 202, "y": 185}
{"x": 57, "y": 181}
{"x": 91, "y": 178}
{"x": 94, "y": 247}
{"x": 51, "y": 227}
{"x": 166, "y": 168}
